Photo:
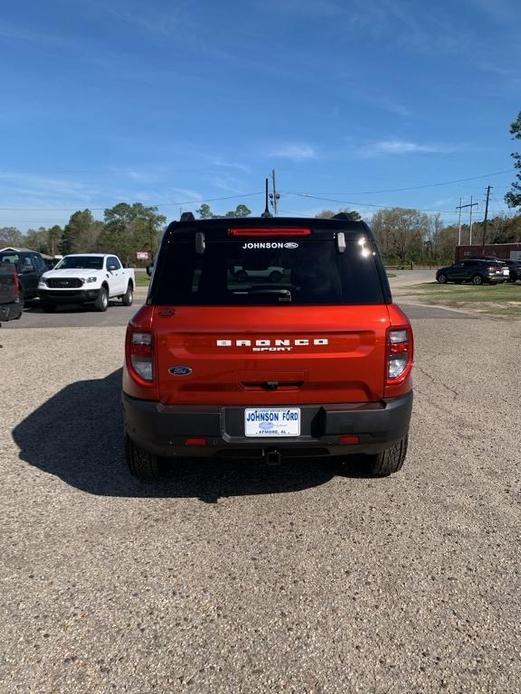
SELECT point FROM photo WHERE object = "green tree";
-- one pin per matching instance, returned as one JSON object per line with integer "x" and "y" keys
{"x": 76, "y": 233}
{"x": 204, "y": 211}
{"x": 54, "y": 235}
{"x": 239, "y": 211}
{"x": 37, "y": 240}
{"x": 401, "y": 233}
{"x": 513, "y": 197}
{"x": 130, "y": 228}
{"x": 10, "y": 236}
{"x": 327, "y": 214}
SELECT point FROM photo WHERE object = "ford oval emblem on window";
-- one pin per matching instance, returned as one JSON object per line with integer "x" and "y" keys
{"x": 291, "y": 244}
{"x": 180, "y": 370}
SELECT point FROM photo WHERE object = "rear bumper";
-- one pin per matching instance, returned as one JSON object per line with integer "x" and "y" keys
{"x": 64, "y": 296}
{"x": 163, "y": 429}
{"x": 11, "y": 311}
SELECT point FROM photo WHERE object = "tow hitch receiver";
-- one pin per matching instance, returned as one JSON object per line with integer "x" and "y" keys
{"x": 273, "y": 458}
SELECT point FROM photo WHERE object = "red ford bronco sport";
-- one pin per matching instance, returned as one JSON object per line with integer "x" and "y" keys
{"x": 312, "y": 360}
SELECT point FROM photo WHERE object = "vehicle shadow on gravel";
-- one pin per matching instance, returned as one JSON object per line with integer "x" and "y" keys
{"x": 77, "y": 435}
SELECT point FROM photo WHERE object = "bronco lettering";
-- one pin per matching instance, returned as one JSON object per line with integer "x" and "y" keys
{"x": 299, "y": 342}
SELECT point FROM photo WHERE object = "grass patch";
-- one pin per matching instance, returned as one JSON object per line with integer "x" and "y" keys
{"x": 499, "y": 293}
{"x": 502, "y": 300}
{"x": 142, "y": 279}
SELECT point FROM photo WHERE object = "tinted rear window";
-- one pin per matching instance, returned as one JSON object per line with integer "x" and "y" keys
{"x": 238, "y": 272}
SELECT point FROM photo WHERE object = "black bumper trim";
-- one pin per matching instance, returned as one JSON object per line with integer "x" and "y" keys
{"x": 162, "y": 429}
{"x": 67, "y": 295}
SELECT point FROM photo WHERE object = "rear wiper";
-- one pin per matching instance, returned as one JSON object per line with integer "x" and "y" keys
{"x": 283, "y": 294}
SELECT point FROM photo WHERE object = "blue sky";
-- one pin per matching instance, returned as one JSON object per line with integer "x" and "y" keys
{"x": 167, "y": 102}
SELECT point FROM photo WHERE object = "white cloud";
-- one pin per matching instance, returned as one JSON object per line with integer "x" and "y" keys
{"x": 295, "y": 152}
{"x": 385, "y": 147}
{"x": 187, "y": 194}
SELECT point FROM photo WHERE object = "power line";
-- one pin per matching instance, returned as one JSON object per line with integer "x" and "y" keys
{"x": 364, "y": 204}
{"x": 426, "y": 185}
{"x": 155, "y": 204}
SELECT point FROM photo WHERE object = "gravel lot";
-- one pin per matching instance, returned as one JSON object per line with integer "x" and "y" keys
{"x": 242, "y": 578}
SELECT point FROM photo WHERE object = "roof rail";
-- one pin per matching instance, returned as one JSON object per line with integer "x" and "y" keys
{"x": 187, "y": 217}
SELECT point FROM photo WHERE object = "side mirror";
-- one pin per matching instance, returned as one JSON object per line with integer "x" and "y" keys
{"x": 149, "y": 269}
{"x": 111, "y": 268}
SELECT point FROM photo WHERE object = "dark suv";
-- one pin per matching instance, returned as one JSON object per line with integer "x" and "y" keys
{"x": 29, "y": 267}
{"x": 475, "y": 271}
{"x": 515, "y": 270}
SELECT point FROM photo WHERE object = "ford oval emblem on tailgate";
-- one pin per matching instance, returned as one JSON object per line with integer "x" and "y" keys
{"x": 180, "y": 370}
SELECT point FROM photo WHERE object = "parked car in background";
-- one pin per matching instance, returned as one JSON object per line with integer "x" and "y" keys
{"x": 514, "y": 267}
{"x": 477, "y": 271}
{"x": 87, "y": 278}
{"x": 11, "y": 304}
{"x": 29, "y": 267}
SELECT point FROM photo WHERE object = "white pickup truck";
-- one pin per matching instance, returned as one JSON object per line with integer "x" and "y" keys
{"x": 87, "y": 278}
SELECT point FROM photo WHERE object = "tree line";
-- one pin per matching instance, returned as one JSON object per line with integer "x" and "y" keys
{"x": 404, "y": 235}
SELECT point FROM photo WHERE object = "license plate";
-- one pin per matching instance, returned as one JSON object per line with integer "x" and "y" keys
{"x": 272, "y": 421}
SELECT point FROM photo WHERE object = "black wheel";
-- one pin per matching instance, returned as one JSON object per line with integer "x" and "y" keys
{"x": 477, "y": 279}
{"x": 388, "y": 461}
{"x": 102, "y": 302}
{"x": 442, "y": 278}
{"x": 128, "y": 296}
{"x": 141, "y": 463}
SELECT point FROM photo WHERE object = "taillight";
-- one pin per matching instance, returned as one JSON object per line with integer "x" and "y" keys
{"x": 275, "y": 231}
{"x": 399, "y": 354}
{"x": 140, "y": 354}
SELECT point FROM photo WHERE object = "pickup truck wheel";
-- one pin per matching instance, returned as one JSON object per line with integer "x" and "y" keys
{"x": 102, "y": 301}
{"x": 388, "y": 461}
{"x": 128, "y": 296}
{"x": 477, "y": 279}
{"x": 141, "y": 463}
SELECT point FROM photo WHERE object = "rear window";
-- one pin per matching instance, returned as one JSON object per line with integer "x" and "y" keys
{"x": 238, "y": 272}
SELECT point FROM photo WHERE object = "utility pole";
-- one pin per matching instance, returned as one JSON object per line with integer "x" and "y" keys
{"x": 459, "y": 223}
{"x": 472, "y": 204}
{"x": 274, "y": 196}
{"x": 485, "y": 220}
{"x": 462, "y": 207}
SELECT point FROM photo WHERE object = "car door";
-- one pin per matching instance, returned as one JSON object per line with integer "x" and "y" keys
{"x": 117, "y": 276}
{"x": 29, "y": 274}
{"x": 469, "y": 270}
{"x": 456, "y": 272}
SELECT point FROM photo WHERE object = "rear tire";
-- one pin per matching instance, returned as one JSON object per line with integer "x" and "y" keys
{"x": 141, "y": 464}
{"x": 477, "y": 280}
{"x": 128, "y": 296}
{"x": 442, "y": 279}
{"x": 386, "y": 462}
{"x": 102, "y": 302}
